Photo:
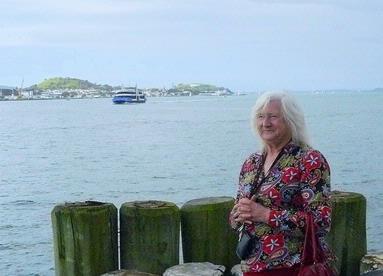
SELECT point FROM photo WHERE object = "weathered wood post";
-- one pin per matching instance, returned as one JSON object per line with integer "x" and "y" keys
{"x": 149, "y": 235}
{"x": 206, "y": 233}
{"x": 85, "y": 238}
{"x": 347, "y": 237}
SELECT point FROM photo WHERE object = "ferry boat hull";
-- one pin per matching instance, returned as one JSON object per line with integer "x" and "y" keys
{"x": 130, "y": 95}
{"x": 127, "y": 100}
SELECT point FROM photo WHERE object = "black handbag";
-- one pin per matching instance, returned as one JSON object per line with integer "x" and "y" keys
{"x": 245, "y": 244}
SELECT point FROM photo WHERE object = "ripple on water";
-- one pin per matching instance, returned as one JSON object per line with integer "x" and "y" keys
{"x": 5, "y": 247}
{"x": 160, "y": 177}
{"x": 23, "y": 202}
{"x": 6, "y": 227}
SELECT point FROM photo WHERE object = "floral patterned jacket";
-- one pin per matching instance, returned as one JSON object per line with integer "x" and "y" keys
{"x": 299, "y": 182}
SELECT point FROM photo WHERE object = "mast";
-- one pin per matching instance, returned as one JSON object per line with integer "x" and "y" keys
{"x": 137, "y": 96}
{"x": 21, "y": 87}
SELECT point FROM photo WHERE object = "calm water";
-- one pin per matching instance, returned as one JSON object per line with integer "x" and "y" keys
{"x": 173, "y": 149}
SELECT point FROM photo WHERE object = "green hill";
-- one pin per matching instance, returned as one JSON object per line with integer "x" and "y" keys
{"x": 69, "y": 83}
{"x": 199, "y": 88}
{"x": 60, "y": 83}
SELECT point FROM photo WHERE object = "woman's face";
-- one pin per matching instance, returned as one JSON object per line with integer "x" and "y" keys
{"x": 271, "y": 125}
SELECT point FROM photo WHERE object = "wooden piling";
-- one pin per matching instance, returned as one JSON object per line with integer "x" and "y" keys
{"x": 206, "y": 233}
{"x": 149, "y": 235}
{"x": 347, "y": 236}
{"x": 85, "y": 238}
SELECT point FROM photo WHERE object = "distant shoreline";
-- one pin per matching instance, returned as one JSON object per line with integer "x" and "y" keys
{"x": 93, "y": 95}
{"x": 50, "y": 99}
{"x": 107, "y": 97}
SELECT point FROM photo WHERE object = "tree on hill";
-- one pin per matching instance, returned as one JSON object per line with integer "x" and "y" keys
{"x": 69, "y": 83}
{"x": 199, "y": 88}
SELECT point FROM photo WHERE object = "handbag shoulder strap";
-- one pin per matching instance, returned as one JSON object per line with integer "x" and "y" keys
{"x": 258, "y": 181}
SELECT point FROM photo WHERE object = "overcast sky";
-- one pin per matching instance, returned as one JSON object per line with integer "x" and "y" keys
{"x": 244, "y": 45}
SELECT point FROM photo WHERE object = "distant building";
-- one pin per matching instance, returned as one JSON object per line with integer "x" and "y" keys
{"x": 7, "y": 91}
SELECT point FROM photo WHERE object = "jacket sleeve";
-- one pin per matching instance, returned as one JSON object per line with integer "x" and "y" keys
{"x": 314, "y": 197}
{"x": 245, "y": 182}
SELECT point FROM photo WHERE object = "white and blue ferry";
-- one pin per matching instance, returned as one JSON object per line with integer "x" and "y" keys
{"x": 129, "y": 95}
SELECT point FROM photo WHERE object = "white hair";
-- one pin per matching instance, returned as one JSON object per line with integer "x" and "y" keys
{"x": 291, "y": 112}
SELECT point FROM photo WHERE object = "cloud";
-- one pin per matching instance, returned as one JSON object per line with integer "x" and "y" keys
{"x": 92, "y": 7}
{"x": 371, "y": 5}
{"x": 99, "y": 23}
{"x": 43, "y": 22}
{"x": 84, "y": 7}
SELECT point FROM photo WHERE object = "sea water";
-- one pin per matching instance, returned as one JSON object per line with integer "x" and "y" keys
{"x": 174, "y": 149}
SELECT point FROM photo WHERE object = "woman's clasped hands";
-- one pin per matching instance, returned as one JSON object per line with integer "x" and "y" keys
{"x": 248, "y": 211}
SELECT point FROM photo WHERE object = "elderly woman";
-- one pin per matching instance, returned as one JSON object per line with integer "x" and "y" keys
{"x": 278, "y": 187}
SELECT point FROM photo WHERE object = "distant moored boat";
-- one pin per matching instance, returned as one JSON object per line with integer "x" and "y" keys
{"x": 129, "y": 95}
